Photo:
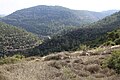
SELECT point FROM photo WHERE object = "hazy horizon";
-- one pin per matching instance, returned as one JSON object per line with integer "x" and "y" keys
{"x": 10, "y": 6}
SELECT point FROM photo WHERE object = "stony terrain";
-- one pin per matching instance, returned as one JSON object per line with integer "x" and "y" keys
{"x": 62, "y": 66}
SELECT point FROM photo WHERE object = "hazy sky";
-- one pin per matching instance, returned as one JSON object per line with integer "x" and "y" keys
{"x": 9, "y": 6}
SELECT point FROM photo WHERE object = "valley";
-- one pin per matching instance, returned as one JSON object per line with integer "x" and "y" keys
{"x": 57, "y": 43}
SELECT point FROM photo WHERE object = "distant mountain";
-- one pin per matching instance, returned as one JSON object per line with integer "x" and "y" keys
{"x": 15, "y": 39}
{"x": 2, "y": 15}
{"x": 109, "y": 12}
{"x": 47, "y": 20}
{"x": 92, "y": 35}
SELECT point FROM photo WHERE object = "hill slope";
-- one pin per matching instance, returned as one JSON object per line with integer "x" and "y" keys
{"x": 47, "y": 20}
{"x": 91, "y": 35}
{"x": 61, "y": 66}
{"x": 13, "y": 38}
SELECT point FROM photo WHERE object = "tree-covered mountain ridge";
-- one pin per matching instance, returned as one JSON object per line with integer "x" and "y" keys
{"x": 92, "y": 35}
{"x": 48, "y": 20}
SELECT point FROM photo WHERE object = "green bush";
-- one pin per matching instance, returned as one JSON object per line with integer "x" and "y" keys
{"x": 109, "y": 43}
{"x": 18, "y": 56}
{"x": 113, "y": 61}
{"x": 83, "y": 47}
{"x": 117, "y": 41}
{"x": 11, "y": 60}
{"x": 8, "y": 60}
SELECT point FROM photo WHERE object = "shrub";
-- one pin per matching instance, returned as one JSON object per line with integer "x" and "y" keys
{"x": 18, "y": 56}
{"x": 82, "y": 73}
{"x": 78, "y": 61}
{"x": 92, "y": 68}
{"x": 97, "y": 61}
{"x": 8, "y": 60}
{"x": 11, "y": 60}
{"x": 83, "y": 47}
{"x": 117, "y": 41}
{"x": 54, "y": 64}
{"x": 69, "y": 74}
{"x": 109, "y": 43}
{"x": 113, "y": 61}
{"x": 97, "y": 51}
{"x": 99, "y": 75}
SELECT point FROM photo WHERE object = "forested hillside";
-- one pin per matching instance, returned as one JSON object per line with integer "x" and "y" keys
{"x": 92, "y": 35}
{"x": 47, "y": 20}
{"x": 15, "y": 39}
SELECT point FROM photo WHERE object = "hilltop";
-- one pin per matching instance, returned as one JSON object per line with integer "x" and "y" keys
{"x": 48, "y": 20}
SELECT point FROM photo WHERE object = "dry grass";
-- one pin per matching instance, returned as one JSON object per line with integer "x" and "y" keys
{"x": 97, "y": 61}
{"x": 57, "y": 65}
{"x": 3, "y": 77}
{"x": 80, "y": 61}
{"x": 61, "y": 66}
{"x": 82, "y": 73}
{"x": 99, "y": 75}
{"x": 92, "y": 68}
{"x": 55, "y": 57}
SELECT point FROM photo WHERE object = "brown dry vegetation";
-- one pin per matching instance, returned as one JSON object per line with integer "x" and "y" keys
{"x": 61, "y": 66}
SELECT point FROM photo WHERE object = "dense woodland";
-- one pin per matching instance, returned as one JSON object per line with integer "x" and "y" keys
{"x": 48, "y": 20}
